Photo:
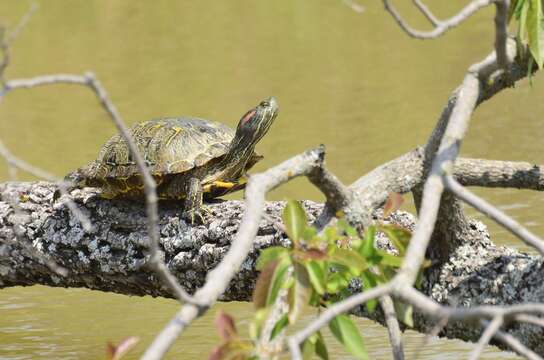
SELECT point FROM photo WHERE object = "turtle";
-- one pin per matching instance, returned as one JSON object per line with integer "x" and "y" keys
{"x": 191, "y": 159}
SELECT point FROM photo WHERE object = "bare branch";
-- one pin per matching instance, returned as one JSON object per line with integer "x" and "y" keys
{"x": 437, "y": 328}
{"x": 150, "y": 189}
{"x": 425, "y": 11}
{"x": 490, "y": 330}
{"x": 442, "y": 26}
{"x": 500, "y": 174}
{"x": 501, "y": 33}
{"x": 393, "y": 328}
{"x": 7, "y": 38}
{"x": 433, "y": 188}
{"x": 498, "y": 216}
{"x": 330, "y": 313}
{"x": 23, "y": 21}
{"x": 45, "y": 80}
{"x": 517, "y": 346}
{"x": 529, "y": 319}
{"x": 14, "y": 161}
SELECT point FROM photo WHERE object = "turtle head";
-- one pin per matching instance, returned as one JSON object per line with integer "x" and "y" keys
{"x": 255, "y": 123}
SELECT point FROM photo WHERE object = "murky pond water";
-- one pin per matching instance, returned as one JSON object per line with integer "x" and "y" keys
{"x": 351, "y": 81}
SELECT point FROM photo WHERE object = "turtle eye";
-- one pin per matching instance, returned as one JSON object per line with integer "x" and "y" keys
{"x": 265, "y": 103}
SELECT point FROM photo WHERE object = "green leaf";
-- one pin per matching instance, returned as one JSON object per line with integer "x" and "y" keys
{"x": 294, "y": 218}
{"x": 307, "y": 349}
{"x": 280, "y": 325}
{"x": 255, "y": 327}
{"x": 232, "y": 350}
{"x": 320, "y": 347}
{"x": 534, "y": 31}
{"x": 404, "y": 313}
{"x": 346, "y": 228}
{"x": 331, "y": 234}
{"x": 271, "y": 254}
{"x": 336, "y": 282}
{"x": 522, "y": 27}
{"x": 309, "y": 233}
{"x": 345, "y": 331}
{"x": 314, "y": 345}
{"x": 351, "y": 259}
{"x": 514, "y": 4}
{"x": 399, "y": 236}
{"x": 389, "y": 260}
{"x": 299, "y": 294}
{"x": 369, "y": 281}
{"x": 368, "y": 250}
{"x": 316, "y": 275}
{"x": 277, "y": 280}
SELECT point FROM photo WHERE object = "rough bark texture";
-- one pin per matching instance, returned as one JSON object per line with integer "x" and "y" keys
{"x": 112, "y": 256}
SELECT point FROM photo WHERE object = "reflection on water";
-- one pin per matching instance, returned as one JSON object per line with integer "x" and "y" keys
{"x": 351, "y": 81}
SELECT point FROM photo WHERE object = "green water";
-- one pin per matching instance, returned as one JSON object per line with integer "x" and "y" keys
{"x": 351, "y": 81}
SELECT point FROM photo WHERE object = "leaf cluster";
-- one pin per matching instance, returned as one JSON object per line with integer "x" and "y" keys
{"x": 320, "y": 269}
{"x": 529, "y": 18}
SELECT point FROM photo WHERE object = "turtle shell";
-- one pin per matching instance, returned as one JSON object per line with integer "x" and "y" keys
{"x": 169, "y": 146}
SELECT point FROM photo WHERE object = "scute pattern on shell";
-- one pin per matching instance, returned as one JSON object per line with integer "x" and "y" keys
{"x": 169, "y": 146}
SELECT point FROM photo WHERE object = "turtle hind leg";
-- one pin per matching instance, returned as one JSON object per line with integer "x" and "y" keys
{"x": 193, "y": 207}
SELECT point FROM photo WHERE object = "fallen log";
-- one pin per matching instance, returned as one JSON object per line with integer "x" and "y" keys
{"x": 111, "y": 256}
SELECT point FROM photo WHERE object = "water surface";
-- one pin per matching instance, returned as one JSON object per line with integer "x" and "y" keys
{"x": 351, "y": 81}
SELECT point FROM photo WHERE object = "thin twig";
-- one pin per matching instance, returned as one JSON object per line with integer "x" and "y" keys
{"x": 530, "y": 319}
{"x": 426, "y": 12}
{"x": 495, "y": 214}
{"x": 393, "y": 328}
{"x": 442, "y": 26}
{"x": 330, "y": 313}
{"x": 517, "y": 346}
{"x": 6, "y": 39}
{"x": 23, "y": 21}
{"x": 490, "y": 330}
{"x": 150, "y": 189}
{"x": 437, "y": 328}
{"x": 501, "y": 33}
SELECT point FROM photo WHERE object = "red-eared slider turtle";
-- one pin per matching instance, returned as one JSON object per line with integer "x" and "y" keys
{"x": 189, "y": 158}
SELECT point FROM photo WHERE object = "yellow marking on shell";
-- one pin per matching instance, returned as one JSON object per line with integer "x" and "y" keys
{"x": 177, "y": 130}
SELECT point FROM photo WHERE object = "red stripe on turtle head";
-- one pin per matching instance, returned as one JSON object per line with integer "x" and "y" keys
{"x": 247, "y": 116}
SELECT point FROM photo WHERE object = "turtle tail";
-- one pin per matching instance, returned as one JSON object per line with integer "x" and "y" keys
{"x": 71, "y": 181}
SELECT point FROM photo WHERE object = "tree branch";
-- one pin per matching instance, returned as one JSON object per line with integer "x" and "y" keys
{"x": 393, "y": 328}
{"x": 490, "y": 330}
{"x": 495, "y": 214}
{"x": 441, "y": 26}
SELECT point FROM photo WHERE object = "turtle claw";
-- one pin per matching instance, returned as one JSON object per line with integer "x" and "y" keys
{"x": 197, "y": 216}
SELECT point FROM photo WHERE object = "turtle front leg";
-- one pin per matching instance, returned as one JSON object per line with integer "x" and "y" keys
{"x": 193, "y": 201}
